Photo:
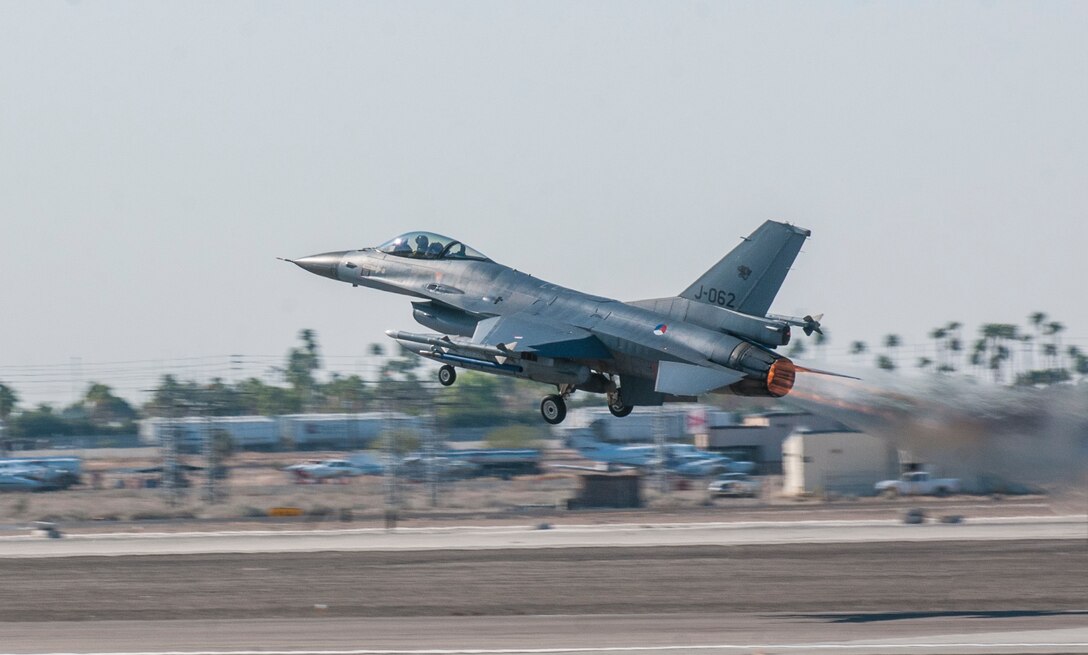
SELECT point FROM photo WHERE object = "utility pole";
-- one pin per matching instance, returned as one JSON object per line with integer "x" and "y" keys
{"x": 389, "y": 479}
{"x": 169, "y": 445}
{"x": 211, "y": 463}
{"x": 431, "y": 453}
{"x": 659, "y": 442}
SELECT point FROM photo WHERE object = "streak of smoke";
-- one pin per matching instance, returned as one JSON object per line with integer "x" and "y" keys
{"x": 992, "y": 438}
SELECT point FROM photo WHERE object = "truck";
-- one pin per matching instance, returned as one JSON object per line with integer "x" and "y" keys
{"x": 739, "y": 485}
{"x": 917, "y": 483}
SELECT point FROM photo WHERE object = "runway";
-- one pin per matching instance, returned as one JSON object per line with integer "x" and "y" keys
{"x": 828, "y": 587}
{"x": 632, "y": 635}
{"x": 559, "y": 536}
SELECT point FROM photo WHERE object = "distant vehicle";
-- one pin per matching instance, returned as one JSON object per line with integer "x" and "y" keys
{"x": 49, "y": 473}
{"x": 918, "y": 483}
{"x": 681, "y": 459}
{"x": 418, "y": 467}
{"x": 15, "y": 481}
{"x": 330, "y": 469}
{"x": 737, "y": 485}
{"x": 502, "y": 462}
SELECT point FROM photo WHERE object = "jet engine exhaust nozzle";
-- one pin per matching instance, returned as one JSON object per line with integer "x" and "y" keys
{"x": 781, "y": 377}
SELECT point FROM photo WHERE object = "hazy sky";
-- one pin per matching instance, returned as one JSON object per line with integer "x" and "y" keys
{"x": 155, "y": 158}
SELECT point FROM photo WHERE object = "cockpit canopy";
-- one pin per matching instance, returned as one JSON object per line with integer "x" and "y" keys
{"x": 428, "y": 245}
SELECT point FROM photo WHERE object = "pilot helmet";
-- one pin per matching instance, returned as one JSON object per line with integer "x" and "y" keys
{"x": 421, "y": 241}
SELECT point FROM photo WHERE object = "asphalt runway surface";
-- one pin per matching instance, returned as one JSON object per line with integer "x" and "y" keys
{"x": 940, "y": 595}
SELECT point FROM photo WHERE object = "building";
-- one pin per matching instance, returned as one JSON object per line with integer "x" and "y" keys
{"x": 840, "y": 462}
{"x": 759, "y": 437}
{"x": 676, "y": 422}
{"x": 608, "y": 490}
{"x": 245, "y": 432}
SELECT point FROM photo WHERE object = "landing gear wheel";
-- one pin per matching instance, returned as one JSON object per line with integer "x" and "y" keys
{"x": 618, "y": 409}
{"x": 553, "y": 409}
{"x": 447, "y": 375}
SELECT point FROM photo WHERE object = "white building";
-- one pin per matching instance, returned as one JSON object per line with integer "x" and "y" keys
{"x": 836, "y": 462}
{"x": 246, "y": 432}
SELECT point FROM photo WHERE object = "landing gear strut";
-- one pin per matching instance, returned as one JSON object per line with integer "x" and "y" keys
{"x": 447, "y": 375}
{"x": 553, "y": 409}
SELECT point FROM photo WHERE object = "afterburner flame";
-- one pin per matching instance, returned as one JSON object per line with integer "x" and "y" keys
{"x": 780, "y": 377}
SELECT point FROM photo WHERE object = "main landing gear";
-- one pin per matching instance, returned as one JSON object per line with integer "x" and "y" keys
{"x": 617, "y": 406}
{"x": 554, "y": 409}
{"x": 447, "y": 375}
{"x": 619, "y": 410}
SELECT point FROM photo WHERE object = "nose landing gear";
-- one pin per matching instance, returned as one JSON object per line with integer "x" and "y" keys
{"x": 447, "y": 375}
{"x": 554, "y": 408}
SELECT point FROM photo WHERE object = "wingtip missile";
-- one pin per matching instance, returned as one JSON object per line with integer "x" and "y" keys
{"x": 812, "y": 324}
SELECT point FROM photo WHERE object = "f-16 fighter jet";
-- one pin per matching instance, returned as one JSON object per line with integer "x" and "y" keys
{"x": 714, "y": 337}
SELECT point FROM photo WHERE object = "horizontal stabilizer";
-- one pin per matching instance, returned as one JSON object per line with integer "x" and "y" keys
{"x": 691, "y": 379}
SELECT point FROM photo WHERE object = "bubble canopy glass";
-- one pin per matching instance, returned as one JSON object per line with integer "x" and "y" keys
{"x": 428, "y": 245}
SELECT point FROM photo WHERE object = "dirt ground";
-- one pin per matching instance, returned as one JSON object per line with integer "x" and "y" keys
{"x": 256, "y": 484}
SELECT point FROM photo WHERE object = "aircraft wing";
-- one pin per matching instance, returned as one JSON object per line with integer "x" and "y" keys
{"x": 545, "y": 338}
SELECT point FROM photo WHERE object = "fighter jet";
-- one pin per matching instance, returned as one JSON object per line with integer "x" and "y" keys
{"x": 714, "y": 337}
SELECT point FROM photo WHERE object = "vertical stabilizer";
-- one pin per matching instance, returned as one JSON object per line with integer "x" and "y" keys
{"x": 748, "y": 278}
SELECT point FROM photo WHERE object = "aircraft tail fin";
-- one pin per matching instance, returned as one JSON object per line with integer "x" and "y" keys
{"x": 748, "y": 278}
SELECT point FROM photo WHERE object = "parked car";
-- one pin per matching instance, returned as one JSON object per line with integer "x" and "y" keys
{"x": 918, "y": 483}
{"x": 330, "y": 469}
{"x": 737, "y": 485}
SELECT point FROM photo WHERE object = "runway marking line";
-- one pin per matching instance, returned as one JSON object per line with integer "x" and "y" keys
{"x": 597, "y": 649}
{"x": 573, "y": 528}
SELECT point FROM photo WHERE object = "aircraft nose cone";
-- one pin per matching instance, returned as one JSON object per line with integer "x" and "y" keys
{"x": 324, "y": 264}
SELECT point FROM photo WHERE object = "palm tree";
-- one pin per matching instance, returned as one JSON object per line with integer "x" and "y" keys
{"x": 8, "y": 399}
{"x": 1054, "y": 329}
{"x": 857, "y": 349}
{"x": 939, "y": 336}
{"x": 1038, "y": 319}
{"x": 978, "y": 353}
{"x": 302, "y": 363}
{"x": 954, "y": 345}
{"x": 892, "y": 342}
{"x": 994, "y": 336}
{"x": 1079, "y": 359}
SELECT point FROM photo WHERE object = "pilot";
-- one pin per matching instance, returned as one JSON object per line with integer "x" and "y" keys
{"x": 421, "y": 245}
